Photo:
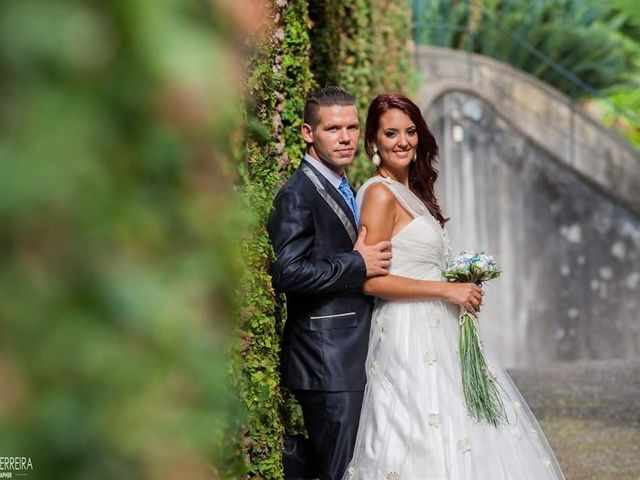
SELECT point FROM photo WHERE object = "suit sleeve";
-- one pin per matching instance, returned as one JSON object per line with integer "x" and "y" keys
{"x": 291, "y": 229}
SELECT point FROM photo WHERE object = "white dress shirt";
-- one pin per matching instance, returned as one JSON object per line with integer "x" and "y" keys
{"x": 333, "y": 177}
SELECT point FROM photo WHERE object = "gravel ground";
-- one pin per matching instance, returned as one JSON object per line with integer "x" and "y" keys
{"x": 590, "y": 412}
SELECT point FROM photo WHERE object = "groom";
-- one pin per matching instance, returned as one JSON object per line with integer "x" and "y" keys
{"x": 321, "y": 266}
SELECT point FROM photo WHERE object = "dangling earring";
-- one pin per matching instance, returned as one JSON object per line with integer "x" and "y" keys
{"x": 375, "y": 159}
{"x": 415, "y": 155}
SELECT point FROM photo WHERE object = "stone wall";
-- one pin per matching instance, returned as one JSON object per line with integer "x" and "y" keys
{"x": 568, "y": 243}
{"x": 540, "y": 112}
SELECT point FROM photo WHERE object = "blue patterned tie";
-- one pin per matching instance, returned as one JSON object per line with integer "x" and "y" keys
{"x": 347, "y": 194}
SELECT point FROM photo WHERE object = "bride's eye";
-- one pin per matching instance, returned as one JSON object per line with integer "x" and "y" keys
{"x": 412, "y": 131}
{"x": 390, "y": 133}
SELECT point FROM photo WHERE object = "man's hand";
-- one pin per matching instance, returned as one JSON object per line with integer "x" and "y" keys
{"x": 376, "y": 257}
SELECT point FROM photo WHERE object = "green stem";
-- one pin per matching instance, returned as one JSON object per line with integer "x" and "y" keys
{"x": 480, "y": 390}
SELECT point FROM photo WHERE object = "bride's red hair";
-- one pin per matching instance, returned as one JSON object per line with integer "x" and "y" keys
{"x": 422, "y": 172}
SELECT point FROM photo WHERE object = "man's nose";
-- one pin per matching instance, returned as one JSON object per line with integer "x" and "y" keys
{"x": 344, "y": 136}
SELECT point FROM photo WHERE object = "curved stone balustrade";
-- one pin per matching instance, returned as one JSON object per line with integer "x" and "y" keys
{"x": 538, "y": 111}
{"x": 553, "y": 195}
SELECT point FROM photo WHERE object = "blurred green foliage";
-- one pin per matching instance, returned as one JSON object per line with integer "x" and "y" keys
{"x": 572, "y": 33}
{"x": 625, "y": 94}
{"x": 119, "y": 242}
{"x": 598, "y": 42}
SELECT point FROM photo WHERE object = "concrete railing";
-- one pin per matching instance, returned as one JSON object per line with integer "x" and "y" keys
{"x": 539, "y": 112}
{"x": 528, "y": 177}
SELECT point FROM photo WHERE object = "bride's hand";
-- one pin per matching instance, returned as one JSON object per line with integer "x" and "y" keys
{"x": 467, "y": 295}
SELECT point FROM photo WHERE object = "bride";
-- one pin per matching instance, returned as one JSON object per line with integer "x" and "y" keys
{"x": 414, "y": 422}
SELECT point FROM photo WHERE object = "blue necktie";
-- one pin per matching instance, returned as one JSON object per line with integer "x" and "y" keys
{"x": 347, "y": 194}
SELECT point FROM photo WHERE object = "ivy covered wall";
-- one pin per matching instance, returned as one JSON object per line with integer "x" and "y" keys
{"x": 362, "y": 46}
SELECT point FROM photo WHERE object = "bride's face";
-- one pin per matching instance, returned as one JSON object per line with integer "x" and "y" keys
{"x": 396, "y": 139}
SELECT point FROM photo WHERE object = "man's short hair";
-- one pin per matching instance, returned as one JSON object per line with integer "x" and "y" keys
{"x": 325, "y": 97}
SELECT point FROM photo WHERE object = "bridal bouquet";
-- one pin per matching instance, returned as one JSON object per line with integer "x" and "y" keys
{"x": 478, "y": 379}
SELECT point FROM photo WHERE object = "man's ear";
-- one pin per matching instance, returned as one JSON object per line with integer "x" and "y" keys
{"x": 307, "y": 132}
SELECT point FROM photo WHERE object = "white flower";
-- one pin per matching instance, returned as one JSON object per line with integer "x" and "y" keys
{"x": 517, "y": 406}
{"x": 464, "y": 445}
{"x": 393, "y": 476}
{"x": 434, "y": 419}
{"x": 351, "y": 471}
{"x": 429, "y": 357}
{"x": 547, "y": 462}
{"x": 374, "y": 368}
{"x": 491, "y": 373}
{"x": 481, "y": 265}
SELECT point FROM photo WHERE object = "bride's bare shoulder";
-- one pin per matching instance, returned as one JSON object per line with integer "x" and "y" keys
{"x": 378, "y": 209}
{"x": 379, "y": 195}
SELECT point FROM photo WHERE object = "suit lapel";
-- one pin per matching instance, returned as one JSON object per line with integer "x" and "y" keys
{"x": 337, "y": 196}
{"x": 332, "y": 197}
{"x": 341, "y": 201}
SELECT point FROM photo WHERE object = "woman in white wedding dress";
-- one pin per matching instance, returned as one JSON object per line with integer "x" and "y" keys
{"x": 414, "y": 423}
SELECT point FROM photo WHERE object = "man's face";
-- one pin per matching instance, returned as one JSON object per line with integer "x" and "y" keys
{"x": 335, "y": 139}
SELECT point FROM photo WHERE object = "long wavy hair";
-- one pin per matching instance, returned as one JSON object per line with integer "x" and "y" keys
{"x": 422, "y": 172}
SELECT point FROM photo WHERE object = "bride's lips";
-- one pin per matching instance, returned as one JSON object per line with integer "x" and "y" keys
{"x": 403, "y": 153}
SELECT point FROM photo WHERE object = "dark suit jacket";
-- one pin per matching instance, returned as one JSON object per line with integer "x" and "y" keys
{"x": 328, "y": 318}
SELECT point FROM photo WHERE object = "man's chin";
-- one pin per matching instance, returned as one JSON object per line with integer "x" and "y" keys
{"x": 344, "y": 160}
{"x": 338, "y": 163}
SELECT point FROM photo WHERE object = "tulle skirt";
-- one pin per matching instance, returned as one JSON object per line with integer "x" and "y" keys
{"x": 414, "y": 422}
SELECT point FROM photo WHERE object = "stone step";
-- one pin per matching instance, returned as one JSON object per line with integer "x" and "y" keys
{"x": 590, "y": 412}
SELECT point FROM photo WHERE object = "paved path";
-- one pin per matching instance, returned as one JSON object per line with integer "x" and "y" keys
{"x": 590, "y": 412}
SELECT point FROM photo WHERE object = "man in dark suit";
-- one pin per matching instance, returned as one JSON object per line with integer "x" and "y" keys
{"x": 321, "y": 266}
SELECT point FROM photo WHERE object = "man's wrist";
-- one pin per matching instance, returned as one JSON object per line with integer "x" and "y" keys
{"x": 362, "y": 269}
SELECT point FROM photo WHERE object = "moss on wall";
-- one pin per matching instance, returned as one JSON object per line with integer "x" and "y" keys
{"x": 364, "y": 47}
{"x": 307, "y": 44}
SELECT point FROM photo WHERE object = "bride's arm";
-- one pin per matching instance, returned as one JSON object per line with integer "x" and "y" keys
{"x": 379, "y": 215}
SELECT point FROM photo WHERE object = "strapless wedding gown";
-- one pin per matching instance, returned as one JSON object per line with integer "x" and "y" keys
{"x": 414, "y": 423}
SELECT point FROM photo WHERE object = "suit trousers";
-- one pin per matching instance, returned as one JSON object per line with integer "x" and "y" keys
{"x": 332, "y": 420}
